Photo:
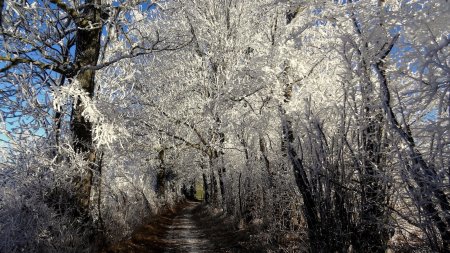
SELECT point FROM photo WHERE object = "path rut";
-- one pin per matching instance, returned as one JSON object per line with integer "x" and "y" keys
{"x": 187, "y": 230}
{"x": 184, "y": 235}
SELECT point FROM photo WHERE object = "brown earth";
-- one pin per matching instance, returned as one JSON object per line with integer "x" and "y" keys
{"x": 190, "y": 227}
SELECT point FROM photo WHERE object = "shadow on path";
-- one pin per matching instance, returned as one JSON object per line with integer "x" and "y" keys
{"x": 189, "y": 228}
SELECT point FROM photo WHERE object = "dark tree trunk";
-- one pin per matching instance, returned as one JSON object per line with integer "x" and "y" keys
{"x": 161, "y": 176}
{"x": 301, "y": 179}
{"x": 263, "y": 149}
{"x": 303, "y": 184}
{"x": 206, "y": 189}
{"x": 422, "y": 173}
{"x": 270, "y": 190}
{"x": 240, "y": 195}
{"x": 87, "y": 54}
{"x": 214, "y": 188}
{"x": 220, "y": 173}
{"x": 373, "y": 235}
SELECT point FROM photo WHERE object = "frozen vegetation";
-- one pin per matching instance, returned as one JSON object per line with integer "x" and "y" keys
{"x": 322, "y": 124}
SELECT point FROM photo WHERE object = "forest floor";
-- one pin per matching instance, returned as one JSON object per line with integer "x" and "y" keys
{"x": 190, "y": 227}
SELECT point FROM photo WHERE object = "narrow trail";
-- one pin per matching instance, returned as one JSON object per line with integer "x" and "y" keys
{"x": 188, "y": 229}
{"x": 184, "y": 235}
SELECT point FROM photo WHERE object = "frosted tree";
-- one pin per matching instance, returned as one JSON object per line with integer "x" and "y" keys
{"x": 324, "y": 122}
{"x": 51, "y": 51}
{"x": 413, "y": 86}
{"x": 63, "y": 44}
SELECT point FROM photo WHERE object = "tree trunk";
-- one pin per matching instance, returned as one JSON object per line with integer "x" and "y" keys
{"x": 214, "y": 188}
{"x": 424, "y": 175}
{"x": 161, "y": 176}
{"x": 263, "y": 149}
{"x": 240, "y": 195}
{"x": 374, "y": 234}
{"x": 302, "y": 182}
{"x": 206, "y": 189}
{"x": 301, "y": 179}
{"x": 87, "y": 54}
{"x": 220, "y": 173}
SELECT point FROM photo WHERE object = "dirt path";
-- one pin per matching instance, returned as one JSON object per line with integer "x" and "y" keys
{"x": 184, "y": 235}
{"x": 189, "y": 229}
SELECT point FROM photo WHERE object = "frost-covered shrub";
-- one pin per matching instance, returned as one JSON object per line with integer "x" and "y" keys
{"x": 37, "y": 213}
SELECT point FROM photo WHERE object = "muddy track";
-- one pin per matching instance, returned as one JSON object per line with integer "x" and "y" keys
{"x": 188, "y": 229}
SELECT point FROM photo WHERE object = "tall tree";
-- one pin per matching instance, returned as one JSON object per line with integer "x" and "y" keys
{"x": 64, "y": 40}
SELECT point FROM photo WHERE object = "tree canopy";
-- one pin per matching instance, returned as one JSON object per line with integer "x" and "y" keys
{"x": 326, "y": 121}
